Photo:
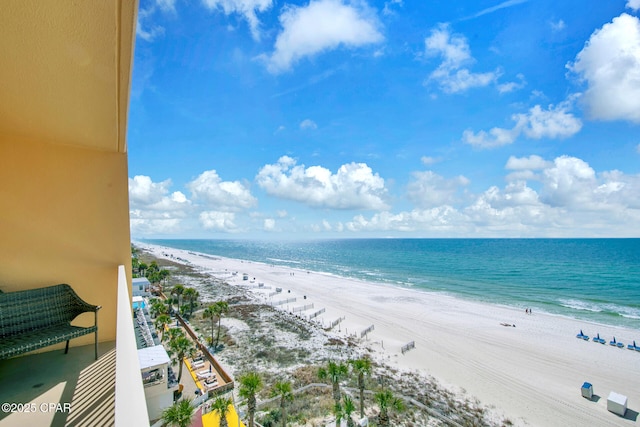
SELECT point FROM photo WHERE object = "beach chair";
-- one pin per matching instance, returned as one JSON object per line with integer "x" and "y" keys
{"x": 203, "y": 374}
{"x": 197, "y": 365}
{"x": 613, "y": 342}
{"x": 632, "y": 346}
{"x": 582, "y": 336}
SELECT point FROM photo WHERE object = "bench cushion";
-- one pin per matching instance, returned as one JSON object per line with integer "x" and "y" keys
{"x": 34, "y": 340}
{"x": 36, "y": 318}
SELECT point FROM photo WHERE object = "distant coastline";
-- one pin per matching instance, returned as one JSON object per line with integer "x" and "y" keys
{"x": 596, "y": 280}
{"x": 528, "y": 367}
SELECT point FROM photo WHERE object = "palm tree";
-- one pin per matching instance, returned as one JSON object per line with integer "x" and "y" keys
{"x": 153, "y": 267}
{"x": 142, "y": 269}
{"x": 161, "y": 323}
{"x": 334, "y": 372}
{"x": 250, "y": 384}
{"x": 361, "y": 367}
{"x": 177, "y": 291}
{"x": 210, "y": 313}
{"x": 158, "y": 306}
{"x": 135, "y": 264}
{"x": 386, "y": 400}
{"x": 164, "y": 274}
{"x": 179, "y": 414}
{"x": 180, "y": 347}
{"x": 283, "y": 390}
{"x": 338, "y": 412}
{"x": 222, "y": 404}
{"x": 220, "y": 308}
{"x": 190, "y": 295}
{"x": 349, "y": 408}
{"x": 174, "y": 333}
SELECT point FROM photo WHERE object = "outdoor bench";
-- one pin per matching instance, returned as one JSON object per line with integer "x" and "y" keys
{"x": 37, "y": 318}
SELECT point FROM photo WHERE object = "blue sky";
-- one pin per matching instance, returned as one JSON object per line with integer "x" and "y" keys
{"x": 337, "y": 118}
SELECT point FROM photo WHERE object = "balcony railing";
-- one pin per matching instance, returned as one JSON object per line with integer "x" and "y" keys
{"x": 131, "y": 406}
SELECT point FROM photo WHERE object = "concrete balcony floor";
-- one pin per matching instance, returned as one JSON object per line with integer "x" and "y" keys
{"x": 60, "y": 389}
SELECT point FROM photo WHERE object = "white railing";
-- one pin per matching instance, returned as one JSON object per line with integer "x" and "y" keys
{"x": 131, "y": 405}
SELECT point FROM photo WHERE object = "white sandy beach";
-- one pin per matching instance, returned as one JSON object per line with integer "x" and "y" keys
{"x": 530, "y": 373}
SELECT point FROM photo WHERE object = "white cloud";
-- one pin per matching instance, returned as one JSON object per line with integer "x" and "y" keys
{"x": 574, "y": 200}
{"x": 633, "y": 4}
{"x": 320, "y": 26}
{"x": 389, "y": 6}
{"x": 512, "y": 86}
{"x": 353, "y": 186}
{"x": 167, "y": 5}
{"x": 246, "y": 8}
{"x": 558, "y": 25}
{"x": 570, "y": 181}
{"x": 149, "y": 195}
{"x": 150, "y": 34}
{"x": 153, "y": 210}
{"x": 147, "y": 34}
{"x": 144, "y": 191}
{"x": 610, "y": 65}
{"x": 454, "y": 50}
{"x": 554, "y": 122}
{"x": 442, "y": 219}
{"x": 153, "y": 227}
{"x": 428, "y": 160}
{"x": 308, "y": 124}
{"x": 218, "y": 221}
{"x": 532, "y": 162}
{"x": 269, "y": 224}
{"x": 428, "y": 189}
{"x": 496, "y": 137}
{"x": 224, "y": 196}
{"x": 503, "y": 5}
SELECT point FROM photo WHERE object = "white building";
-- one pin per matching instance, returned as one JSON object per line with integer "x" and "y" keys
{"x": 140, "y": 287}
{"x": 154, "y": 366}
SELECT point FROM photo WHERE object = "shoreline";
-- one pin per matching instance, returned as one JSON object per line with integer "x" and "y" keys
{"x": 606, "y": 306}
{"x": 530, "y": 373}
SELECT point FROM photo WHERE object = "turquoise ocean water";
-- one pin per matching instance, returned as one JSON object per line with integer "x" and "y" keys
{"x": 591, "y": 279}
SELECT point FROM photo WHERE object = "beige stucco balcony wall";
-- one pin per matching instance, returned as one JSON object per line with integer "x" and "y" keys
{"x": 64, "y": 95}
{"x": 64, "y": 220}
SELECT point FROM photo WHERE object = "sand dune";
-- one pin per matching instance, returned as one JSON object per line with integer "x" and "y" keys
{"x": 530, "y": 373}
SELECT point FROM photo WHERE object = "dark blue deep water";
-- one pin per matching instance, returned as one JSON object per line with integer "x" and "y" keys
{"x": 591, "y": 279}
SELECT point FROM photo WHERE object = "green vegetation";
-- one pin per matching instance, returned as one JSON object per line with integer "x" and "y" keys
{"x": 334, "y": 372}
{"x": 262, "y": 348}
{"x": 179, "y": 414}
{"x": 180, "y": 347}
{"x": 250, "y": 385}
{"x": 362, "y": 367}
{"x": 161, "y": 322}
{"x": 284, "y": 391}
{"x": 221, "y": 405}
{"x": 216, "y": 311}
{"x": 387, "y": 401}
{"x": 191, "y": 295}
